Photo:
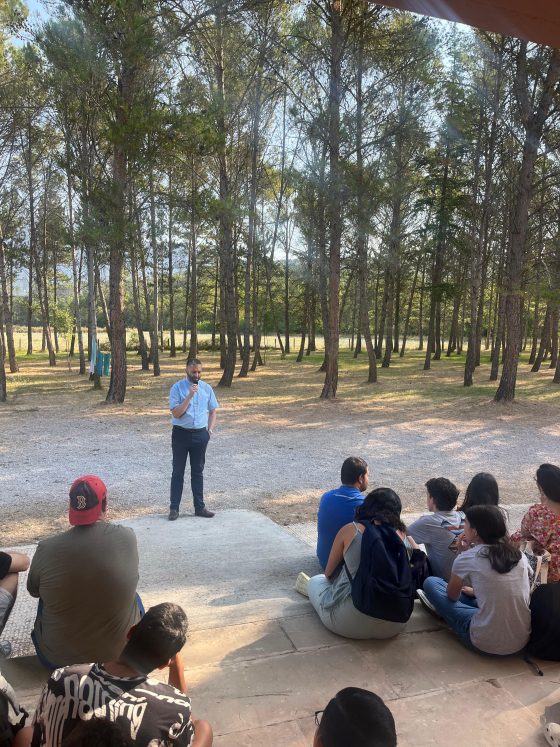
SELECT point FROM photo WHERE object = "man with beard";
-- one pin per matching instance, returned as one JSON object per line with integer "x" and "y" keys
{"x": 193, "y": 415}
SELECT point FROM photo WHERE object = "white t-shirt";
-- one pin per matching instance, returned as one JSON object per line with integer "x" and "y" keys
{"x": 503, "y": 623}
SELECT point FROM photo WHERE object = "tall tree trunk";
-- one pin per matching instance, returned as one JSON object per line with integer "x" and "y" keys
{"x": 102, "y": 301}
{"x": 170, "y": 283}
{"x": 33, "y": 249}
{"x": 534, "y": 124}
{"x": 117, "y": 386}
{"x": 75, "y": 273}
{"x": 334, "y": 202}
{"x": 226, "y": 247}
{"x": 410, "y": 301}
{"x": 7, "y": 309}
{"x": 29, "y": 308}
{"x": 554, "y": 339}
{"x": 155, "y": 279}
{"x": 495, "y": 359}
{"x": 421, "y": 307}
{"x": 142, "y": 348}
{"x": 545, "y": 338}
{"x": 433, "y": 345}
{"x": 193, "y": 343}
{"x": 3, "y": 387}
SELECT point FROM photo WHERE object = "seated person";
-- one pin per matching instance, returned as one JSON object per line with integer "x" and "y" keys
{"x": 331, "y": 594}
{"x": 541, "y": 523}
{"x": 338, "y": 507}
{"x": 439, "y": 530}
{"x": 491, "y": 616}
{"x": 147, "y": 710}
{"x": 355, "y": 718}
{"x": 482, "y": 490}
{"x": 85, "y": 579}
{"x": 11, "y": 564}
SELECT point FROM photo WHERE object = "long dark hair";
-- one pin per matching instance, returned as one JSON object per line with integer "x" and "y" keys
{"x": 382, "y": 505}
{"x": 548, "y": 480}
{"x": 490, "y": 523}
{"x": 482, "y": 490}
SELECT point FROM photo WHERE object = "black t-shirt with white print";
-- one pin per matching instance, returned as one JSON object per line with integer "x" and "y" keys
{"x": 152, "y": 713}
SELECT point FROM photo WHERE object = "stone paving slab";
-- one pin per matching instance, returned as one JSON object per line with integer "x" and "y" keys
{"x": 259, "y": 662}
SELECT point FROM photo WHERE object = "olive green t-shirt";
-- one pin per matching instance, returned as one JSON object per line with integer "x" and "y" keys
{"x": 86, "y": 579}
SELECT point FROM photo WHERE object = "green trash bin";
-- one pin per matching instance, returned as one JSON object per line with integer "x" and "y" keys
{"x": 106, "y": 363}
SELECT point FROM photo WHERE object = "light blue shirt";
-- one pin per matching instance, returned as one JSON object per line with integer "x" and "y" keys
{"x": 203, "y": 402}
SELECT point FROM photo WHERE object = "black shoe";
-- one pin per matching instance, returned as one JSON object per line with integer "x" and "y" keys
{"x": 173, "y": 514}
{"x": 204, "y": 513}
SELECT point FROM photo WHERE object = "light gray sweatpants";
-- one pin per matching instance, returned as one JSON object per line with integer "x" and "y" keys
{"x": 344, "y": 619}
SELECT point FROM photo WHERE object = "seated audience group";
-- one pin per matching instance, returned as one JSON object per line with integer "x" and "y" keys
{"x": 478, "y": 579}
{"x": 473, "y": 576}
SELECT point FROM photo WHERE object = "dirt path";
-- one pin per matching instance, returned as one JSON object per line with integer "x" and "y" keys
{"x": 277, "y": 447}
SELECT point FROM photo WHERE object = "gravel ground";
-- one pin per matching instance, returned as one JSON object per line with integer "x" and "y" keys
{"x": 275, "y": 449}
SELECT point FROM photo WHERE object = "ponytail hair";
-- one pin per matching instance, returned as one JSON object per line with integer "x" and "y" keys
{"x": 490, "y": 524}
{"x": 382, "y": 505}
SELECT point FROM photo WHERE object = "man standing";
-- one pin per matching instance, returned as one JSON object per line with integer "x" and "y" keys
{"x": 193, "y": 414}
{"x": 337, "y": 507}
{"x": 85, "y": 579}
{"x": 147, "y": 710}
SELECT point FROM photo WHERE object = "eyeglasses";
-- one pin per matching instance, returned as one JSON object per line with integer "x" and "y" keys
{"x": 317, "y": 719}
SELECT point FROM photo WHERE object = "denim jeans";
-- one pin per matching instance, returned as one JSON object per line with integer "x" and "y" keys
{"x": 457, "y": 615}
{"x": 192, "y": 444}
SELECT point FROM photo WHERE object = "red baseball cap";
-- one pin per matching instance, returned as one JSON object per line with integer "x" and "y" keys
{"x": 88, "y": 500}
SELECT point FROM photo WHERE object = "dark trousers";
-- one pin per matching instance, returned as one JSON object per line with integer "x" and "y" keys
{"x": 192, "y": 444}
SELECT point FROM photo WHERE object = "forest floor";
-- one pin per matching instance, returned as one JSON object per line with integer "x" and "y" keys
{"x": 277, "y": 446}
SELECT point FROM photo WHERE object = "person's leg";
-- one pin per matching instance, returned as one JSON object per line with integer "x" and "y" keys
{"x": 180, "y": 447}
{"x": 203, "y": 735}
{"x": 8, "y": 593}
{"x": 42, "y": 658}
{"x": 456, "y": 614}
{"x": 316, "y": 587}
{"x": 6, "y": 605}
{"x": 197, "y": 455}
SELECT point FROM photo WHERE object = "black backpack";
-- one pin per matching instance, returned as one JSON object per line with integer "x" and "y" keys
{"x": 544, "y": 642}
{"x": 383, "y": 585}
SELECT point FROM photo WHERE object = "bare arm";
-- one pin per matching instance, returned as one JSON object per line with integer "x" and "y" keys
{"x": 20, "y": 562}
{"x": 177, "y": 673}
{"x": 181, "y": 408}
{"x": 34, "y": 573}
{"x": 337, "y": 550}
{"x": 211, "y": 419}
{"x": 454, "y": 588}
{"x": 23, "y": 737}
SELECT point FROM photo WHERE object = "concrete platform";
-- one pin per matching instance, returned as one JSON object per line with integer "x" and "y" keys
{"x": 259, "y": 662}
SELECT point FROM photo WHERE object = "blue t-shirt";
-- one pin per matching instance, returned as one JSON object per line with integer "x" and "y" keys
{"x": 337, "y": 508}
{"x": 203, "y": 402}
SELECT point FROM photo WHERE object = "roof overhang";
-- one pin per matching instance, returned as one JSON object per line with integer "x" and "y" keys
{"x": 534, "y": 20}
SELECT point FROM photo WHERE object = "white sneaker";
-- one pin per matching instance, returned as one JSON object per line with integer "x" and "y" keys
{"x": 552, "y": 734}
{"x": 301, "y": 584}
{"x": 427, "y": 604}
